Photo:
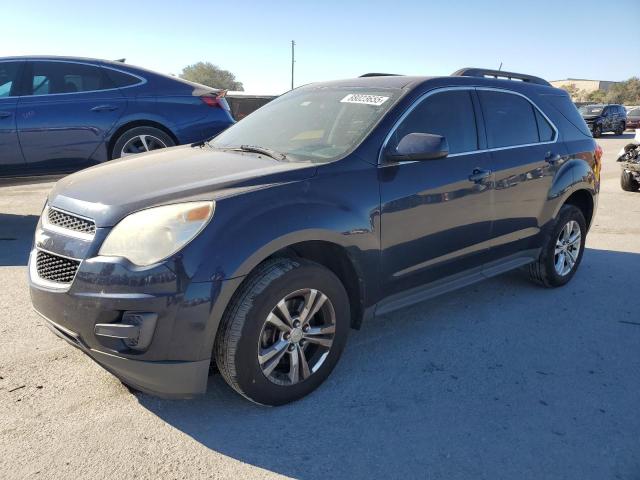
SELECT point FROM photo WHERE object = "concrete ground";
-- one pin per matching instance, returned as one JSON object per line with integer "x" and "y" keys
{"x": 503, "y": 379}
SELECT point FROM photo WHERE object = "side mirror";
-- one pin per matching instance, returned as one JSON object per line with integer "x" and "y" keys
{"x": 419, "y": 146}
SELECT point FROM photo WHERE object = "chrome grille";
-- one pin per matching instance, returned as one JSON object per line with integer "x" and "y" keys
{"x": 56, "y": 269}
{"x": 70, "y": 222}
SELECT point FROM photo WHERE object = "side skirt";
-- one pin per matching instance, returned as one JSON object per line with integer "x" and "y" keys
{"x": 453, "y": 282}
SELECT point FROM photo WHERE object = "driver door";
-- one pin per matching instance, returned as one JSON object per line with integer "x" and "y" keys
{"x": 436, "y": 215}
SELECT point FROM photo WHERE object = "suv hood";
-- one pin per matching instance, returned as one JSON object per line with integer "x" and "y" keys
{"x": 107, "y": 193}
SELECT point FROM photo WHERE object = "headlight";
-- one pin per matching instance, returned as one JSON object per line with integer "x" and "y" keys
{"x": 151, "y": 235}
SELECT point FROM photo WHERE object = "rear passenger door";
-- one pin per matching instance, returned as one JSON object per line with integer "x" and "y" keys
{"x": 68, "y": 109}
{"x": 525, "y": 155}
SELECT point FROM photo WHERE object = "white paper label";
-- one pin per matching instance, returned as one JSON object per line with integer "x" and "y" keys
{"x": 364, "y": 99}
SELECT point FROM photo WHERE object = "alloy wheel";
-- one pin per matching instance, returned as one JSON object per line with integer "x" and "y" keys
{"x": 567, "y": 249}
{"x": 141, "y": 144}
{"x": 296, "y": 337}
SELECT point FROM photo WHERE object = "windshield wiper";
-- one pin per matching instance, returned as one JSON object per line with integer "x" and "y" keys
{"x": 264, "y": 150}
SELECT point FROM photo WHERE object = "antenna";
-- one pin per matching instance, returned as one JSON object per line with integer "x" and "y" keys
{"x": 500, "y": 67}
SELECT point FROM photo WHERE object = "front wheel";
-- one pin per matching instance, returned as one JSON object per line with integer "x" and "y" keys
{"x": 140, "y": 140}
{"x": 283, "y": 332}
{"x": 620, "y": 129}
{"x": 561, "y": 254}
{"x": 597, "y": 131}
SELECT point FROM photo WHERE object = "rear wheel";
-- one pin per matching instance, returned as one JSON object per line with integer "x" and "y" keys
{"x": 620, "y": 129}
{"x": 561, "y": 254}
{"x": 628, "y": 182}
{"x": 283, "y": 332}
{"x": 141, "y": 140}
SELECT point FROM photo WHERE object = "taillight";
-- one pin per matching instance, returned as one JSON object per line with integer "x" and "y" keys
{"x": 215, "y": 101}
{"x": 598, "y": 157}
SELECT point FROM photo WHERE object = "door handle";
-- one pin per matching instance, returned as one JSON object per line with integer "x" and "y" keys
{"x": 552, "y": 158}
{"x": 104, "y": 108}
{"x": 5, "y": 114}
{"x": 479, "y": 174}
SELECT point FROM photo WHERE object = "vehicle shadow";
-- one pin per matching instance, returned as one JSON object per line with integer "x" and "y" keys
{"x": 502, "y": 379}
{"x": 16, "y": 236}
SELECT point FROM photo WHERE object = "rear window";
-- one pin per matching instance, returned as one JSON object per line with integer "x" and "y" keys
{"x": 634, "y": 112}
{"x": 121, "y": 79}
{"x": 564, "y": 105}
{"x": 509, "y": 119}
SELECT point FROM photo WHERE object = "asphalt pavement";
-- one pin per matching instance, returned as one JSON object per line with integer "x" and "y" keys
{"x": 503, "y": 379}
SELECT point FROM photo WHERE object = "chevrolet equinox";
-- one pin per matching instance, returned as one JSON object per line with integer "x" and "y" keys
{"x": 257, "y": 251}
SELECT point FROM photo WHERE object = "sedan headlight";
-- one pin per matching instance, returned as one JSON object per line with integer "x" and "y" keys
{"x": 151, "y": 235}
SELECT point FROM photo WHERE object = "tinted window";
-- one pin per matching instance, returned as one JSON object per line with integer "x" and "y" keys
{"x": 509, "y": 119}
{"x": 121, "y": 79}
{"x": 8, "y": 77}
{"x": 61, "y": 77}
{"x": 449, "y": 114}
{"x": 545, "y": 131}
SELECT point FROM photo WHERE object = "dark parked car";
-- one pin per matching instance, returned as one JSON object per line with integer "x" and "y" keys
{"x": 62, "y": 114}
{"x": 605, "y": 118}
{"x": 331, "y": 204}
{"x": 633, "y": 118}
{"x": 242, "y": 103}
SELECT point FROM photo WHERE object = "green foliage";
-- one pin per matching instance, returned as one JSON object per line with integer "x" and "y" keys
{"x": 627, "y": 92}
{"x": 211, "y": 75}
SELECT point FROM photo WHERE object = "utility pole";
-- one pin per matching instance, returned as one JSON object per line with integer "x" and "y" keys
{"x": 293, "y": 60}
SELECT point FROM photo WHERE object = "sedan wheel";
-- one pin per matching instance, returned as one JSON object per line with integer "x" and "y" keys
{"x": 141, "y": 144}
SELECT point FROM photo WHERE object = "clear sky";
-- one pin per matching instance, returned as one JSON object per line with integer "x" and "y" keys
{"x": 337, "y": 39}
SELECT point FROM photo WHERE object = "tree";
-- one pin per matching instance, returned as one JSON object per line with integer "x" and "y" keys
{"x": 574, "y": 92}
{"x": 211, "y": 75}
{"x": 627, "y": 92}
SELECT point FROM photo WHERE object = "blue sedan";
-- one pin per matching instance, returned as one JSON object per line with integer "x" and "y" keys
{"x": 58, "y": 115}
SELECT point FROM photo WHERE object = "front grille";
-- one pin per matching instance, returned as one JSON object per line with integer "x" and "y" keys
{"x": 56, "y": 269}
{"x": 70, "y": 222}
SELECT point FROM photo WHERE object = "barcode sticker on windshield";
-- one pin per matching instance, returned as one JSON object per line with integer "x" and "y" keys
{"x": 376, "y": 100}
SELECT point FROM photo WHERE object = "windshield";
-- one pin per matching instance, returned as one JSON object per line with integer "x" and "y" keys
{"x": 318, "y": 124}
{"x": 591, "y": 110}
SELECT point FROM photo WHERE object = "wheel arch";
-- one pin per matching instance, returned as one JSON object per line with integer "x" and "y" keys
{"x": 582, "y": 199}
{"x": 134, "y": 124}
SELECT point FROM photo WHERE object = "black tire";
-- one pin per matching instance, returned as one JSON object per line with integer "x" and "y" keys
{"x": 628, "y": 182}
{"x": 543, "y": 270}
{"x": 597, "y": 131}
{"x": 132, "y": 133}
{"x": 237, "y": 342}
{"x": 620, "y": 129}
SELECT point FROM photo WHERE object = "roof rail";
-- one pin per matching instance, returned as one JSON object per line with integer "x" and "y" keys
{"x": 500, "y": 74}
{"x": 380, "y": 75}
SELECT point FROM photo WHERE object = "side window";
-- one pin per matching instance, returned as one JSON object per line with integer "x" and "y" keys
{"x": 62, "y": 77}
{"x": 121, "y": 79}
{"x": 8, "y": 77}
{"x": 545, "y": 131}
{"x": 449, "y": 114}
{"x": 509, "y": 119}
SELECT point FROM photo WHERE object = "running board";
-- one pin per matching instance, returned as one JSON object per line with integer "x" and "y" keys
{"x": 454, "y": 282}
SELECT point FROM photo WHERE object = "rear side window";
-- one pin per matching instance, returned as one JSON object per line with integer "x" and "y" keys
{"x": 510, "y": 119}
{"x": 62, "y": 77}
{"x": 121, "y": 79}
{"x": 564, "y": 105}
{"x": 8, "y": 77}
{"x": 545, "y": 131}
{"x": 449, "y": 114}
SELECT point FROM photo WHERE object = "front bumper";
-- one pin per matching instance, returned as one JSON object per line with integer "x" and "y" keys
{"x": 105, "y": 289}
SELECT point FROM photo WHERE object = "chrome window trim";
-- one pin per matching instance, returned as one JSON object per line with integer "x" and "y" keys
{"x": 426, "y": 95}
{"x": 65, "y": 231}
{"x": 97, "y": 65}
{"x": 37, "y": 280}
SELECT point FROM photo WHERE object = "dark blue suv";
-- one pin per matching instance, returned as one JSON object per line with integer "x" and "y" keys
{"x": 338, "y": 201}
{"x": 60, "y": 114}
